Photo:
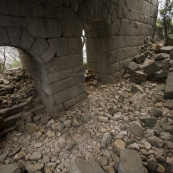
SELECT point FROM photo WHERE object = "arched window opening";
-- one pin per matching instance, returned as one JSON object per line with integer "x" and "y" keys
{"x": 9, "y": 58}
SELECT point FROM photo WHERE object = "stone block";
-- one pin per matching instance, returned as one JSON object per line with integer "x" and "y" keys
{"x": 132, "y": 67}
{"x": 140, "y": 76}
{"x": 26, "y": 40}
{"x": 128, "y": 52}
{"x": 39, "y": 46}
{"x": 79, "y": 78}
{"x": 78, "y": 26}
{"x": 14, "y": 35}
{"x": 48, "y": 55}
{"x": 160, "y": 75}
{"x": 166, "y": 49}
{"x": 74, "y": 5}
{"x": 61, "y": 85}
{"x": 168, "y": 104}
{"x": 124, "y": 27}
{"x": 69, "y": 94}
{"x": 4, "y": 37}
{"x": 146, "y": 8}
{"x": 78, "y": 69}
{"x": 140, "y": 58}
{"x": 10, "y": 168}
{"x": 69, "y": 104}
{"x": 44, "y": 28}
{"x": 151, "y": 68}
{"x": 67, "y": 18}
{"x": 52, "y": 12}
{"x": 55, "y": 111}
{"x": 130, "y": 161}
{"x": 169, "y": 86}
{"x": 114, "y": 68}
{"x": 73, "y": 61}
{"x": 58, "y": 76}
{"x": 53, "y": 65}
{"x": 81, "y": 98}
{"x": 113, "y": 56}
{"x": 81, "y": 166}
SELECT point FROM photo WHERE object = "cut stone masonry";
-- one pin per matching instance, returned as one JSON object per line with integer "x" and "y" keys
{"x": 49, "y": 31}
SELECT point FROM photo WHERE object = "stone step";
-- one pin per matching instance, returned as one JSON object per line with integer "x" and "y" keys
{"x": 7, "y": 130}
{"x": 10, "y": 121}
{"x": 4, "y": 113}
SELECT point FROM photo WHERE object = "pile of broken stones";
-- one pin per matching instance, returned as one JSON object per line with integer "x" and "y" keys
{"x": 124, "y": 127}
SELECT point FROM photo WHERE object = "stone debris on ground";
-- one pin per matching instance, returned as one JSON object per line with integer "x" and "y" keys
{"x": 123, "y": 127}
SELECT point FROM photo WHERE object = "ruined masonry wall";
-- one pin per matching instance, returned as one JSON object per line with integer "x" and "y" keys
{"x": 50, "y": 33}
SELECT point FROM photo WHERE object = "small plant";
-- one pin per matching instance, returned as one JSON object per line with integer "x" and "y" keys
{"x": 85, "y": 65}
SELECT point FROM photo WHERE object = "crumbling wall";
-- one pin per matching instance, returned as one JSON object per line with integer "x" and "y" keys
{"x": 50, "y": 33}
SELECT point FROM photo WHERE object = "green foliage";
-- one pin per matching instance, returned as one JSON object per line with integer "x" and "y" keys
{"x": 16, "y": 64}
{"x": 85, "y": 65}
{"x": 164, "y": 23}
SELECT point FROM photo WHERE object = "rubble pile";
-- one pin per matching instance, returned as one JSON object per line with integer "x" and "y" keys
{"x": 17, "y": 94}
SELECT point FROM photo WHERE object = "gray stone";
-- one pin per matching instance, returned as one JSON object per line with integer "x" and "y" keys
{"x": 149, "y": 121}
{"x": 10, "y": 168}
{"x": 106, "y": 139}
{"x": 136, "y": 129}
{"x": 33, "y": 167}
{"x": 67, "y": 123}
{"x": 159, "y": 75}
{"x": 169, "y": 86}
{"x": 137, "y": 88}
{"x": 140, "y": 76}
{"x": 155, "y": 112}
{"x": 118, "y": 146}
{"x": 102, "y": 119}
{"x": 169, "y": 40}
{"x": 132, "y": 67}
{"x": 130, "y": 162}
{"x": 85, "y": 117}
{"x": 151, "y": 68}
{"x": 152, "y": 164}
{"x": 30, "y": 128}
{"x": 168, "y": 104}
{"x": 162, "y": 56}
{"x": 166, "y": 49}
{"x": 160, "y": 87}
{"x": 140, "y": 58}
{"x": 155, "y": 141}
{"x": 81, "y": 166}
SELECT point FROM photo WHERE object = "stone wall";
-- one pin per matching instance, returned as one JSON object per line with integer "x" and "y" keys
{"x": 50, "y": 33}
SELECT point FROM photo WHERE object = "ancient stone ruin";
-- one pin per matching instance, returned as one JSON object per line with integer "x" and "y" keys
{"x": 50, "y": 32}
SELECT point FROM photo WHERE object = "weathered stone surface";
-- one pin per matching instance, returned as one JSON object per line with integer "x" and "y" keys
{"x": 132, "y": 67}
{"x": 34, "y": 167}
{"x": 106, "y": 139}
{"x": 118, "y": 146}
{"x": 130, "y": 162}
{"x": 9, "y": 168}
{"x": 166, "y": 49}
{"x": 136, "y": 88}
{"x": 155, "y": 112}
{"x": 136, "y": 129}
{"x": 169, "y": 86}
{"x": 81, "y": 166}
{"x": 140, "y": 58}
{"x": 155, "y": 141}
{"x": 168, "y": 104}
{"x": 162, "y": 56}
{"x": 140, "y": 76}
{"x": 151, "y": 68}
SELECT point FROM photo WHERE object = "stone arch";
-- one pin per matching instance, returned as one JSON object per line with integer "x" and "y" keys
{"x": 50, "y": 32}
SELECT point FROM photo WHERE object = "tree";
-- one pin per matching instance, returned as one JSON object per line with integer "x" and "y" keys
{"x": 166, "y": 14}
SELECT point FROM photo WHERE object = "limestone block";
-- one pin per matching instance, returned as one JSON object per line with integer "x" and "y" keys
{"x": 75, "y": 46}
{"x": 48, "y": 55}
{"x": 61, "y": 46}
{"x": 169, "y": 86}
{"x": 146, "y": 8}
{"x": 83, "y": 13}
{"x": 81, "y": 97}
{"x": 78, "y": 69}
{"x": 5, "y": 20}
{"x": 135, "y": 28}
{"x": 78, "y": 26}
{"x": 53, "y": 65}
{"x": 155, "y": 2}
{"x": 10, "y": 168}
{"x": 14, "y": 35}
{"x": 90, "y": 56}
{"x": 69, "y": 104}
{"x": 69, "y": 94}
{"x": 61, "y": 85}
{"x": 55, "y": 111}
{"x": 137, "y": 5}
{"x": 73, "y": 61}
{"x": 4, "y": 37}
{"x": 81, "y": 166}
{"x": 154, "y": 11}
{"x": 57, "y": 76}
{"x": 52, "y": 12}
{"x": 125, "y": 63}
{"x": 79, "y": 78}
{"x": 128, "y": 52}
{"x": 39, "y": 46}
{"x": 74, "y": 5}
{"x": 115, "y": 28}
{"x": 114, "y": 67}
{"x": 67, "y": 19}
{"x": 113, "y": 43}
{"x": 44, "y": 28}
{"x": 113, "y": 56}
{"x": 124, "y": 28}
{"x": 34, "y": 9}
{"x": 130, "y": 161}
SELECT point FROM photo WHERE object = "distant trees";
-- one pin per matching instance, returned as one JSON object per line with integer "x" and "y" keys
{"x": 9, "y": 58}
{"x": 164, "y": 25}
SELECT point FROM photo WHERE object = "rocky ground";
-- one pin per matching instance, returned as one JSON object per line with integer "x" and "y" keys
{"x": 132, "y": 114}
{"x": 114, "y": 117}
